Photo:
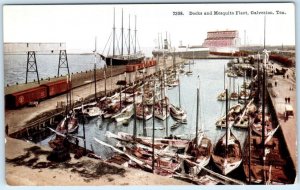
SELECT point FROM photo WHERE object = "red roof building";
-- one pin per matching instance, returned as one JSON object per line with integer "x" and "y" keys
{"x": 222, "y": 41}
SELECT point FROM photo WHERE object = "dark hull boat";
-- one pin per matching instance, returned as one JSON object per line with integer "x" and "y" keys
{"x": 274, "y": 170}
{"x": 132, "y": 56}
{"x": 227, "y": 153}
{"x": 229, "y": 160}
{"x": 122, "y": 60}
{"x": 200, "y": 154}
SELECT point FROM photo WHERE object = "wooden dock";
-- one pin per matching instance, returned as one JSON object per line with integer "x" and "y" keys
{"x": 19, "y": 119}
{"x": 288, "y": 127}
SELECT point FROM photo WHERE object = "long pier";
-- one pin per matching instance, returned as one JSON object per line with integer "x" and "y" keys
{"x": 285, "y": 87}
{"x": 82, "y": 92}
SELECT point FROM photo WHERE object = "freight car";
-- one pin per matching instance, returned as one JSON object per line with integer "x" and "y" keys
{"x": 36, "y": 94}
{"x": 143, "y": 64}
{"x": 24, "y": 97}
{"x": 56, "y": 87}
{"x": 287, "y": 62}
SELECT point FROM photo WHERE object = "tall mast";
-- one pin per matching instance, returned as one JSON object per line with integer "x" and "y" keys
{"x": 114, "y": 35}
{"x": 68, "y": 106}
{"x": 122, "y": 30}
{"x": 170, "y": 40}
{"x": 197, "y": 117}
{"x": 226, "y": 124}
{"x": 263, "y": 118}
{"x": 143, "y": 99}
{"x": 95, "y": 60}
{"x": 165, "y": 99}
{"x": 166, "y": 45}
{"x": 167, "y": 36}
{"x": 179, "y": 99}
{"x": 224, "y": 77}
{"x": 265, "y": 32}
{"x": 153, "y": 111}
{"x": 129, "y": 37}
{"x": 193, "y": 57}
{"x": 189, "y": 66}
{"x": 158, "y": 41}
{"x": 263, "y": 102}
{"x": 134, "y": 34}
{"x": 104, "y": 73}
{"x": 162, "y": 42}
{"x": 134, "y": 107}
{"x": 233, "y": 83}
{"x": 249, "y": 149}
{"x": 244, "y": 38}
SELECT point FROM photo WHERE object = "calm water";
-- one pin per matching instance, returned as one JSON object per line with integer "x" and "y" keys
{"x": 15, "y": 65}
{"x": 211, "y": 83}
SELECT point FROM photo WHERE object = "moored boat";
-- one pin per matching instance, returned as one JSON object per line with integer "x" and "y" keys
{"x": 227, "y": 153}
{"x": 227, "y": 157}
{"x": 144, "y": 111}
{"x": 93, "y": 111}
{"x": 68, "y": 125}
{"x": 133, "y": 57}
{"x": 177, "y": 113}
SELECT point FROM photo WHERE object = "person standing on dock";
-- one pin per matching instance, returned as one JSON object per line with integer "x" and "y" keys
{"x": 158, "y": 161}
{"x": 6, "y": 129}
{"x": 285, "y": 99}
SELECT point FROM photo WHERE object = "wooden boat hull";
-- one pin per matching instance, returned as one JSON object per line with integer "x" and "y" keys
{"x": 227, "y": 163}
{"x": 92, "y": 112}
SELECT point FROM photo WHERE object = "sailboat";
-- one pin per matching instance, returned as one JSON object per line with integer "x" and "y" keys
{"x": 257, "y": 125}
{"x": 232, "y": 114}
{"x": 200, "y": 148}
{"x": 69, "y": 124}
{"x": 264, "y": 159}
{"x": 227, "y": 153}
{"x": 263, "y": 162}
{"x": 234, "y": 95}
{"x": 92, "y": 110}
{"x": 177, "y": 112}
{"x": 122, "y": 59}
{"x": 222, "y": 95}
{"x": 125, "y": 114}
{"x": 245, "y": 92}
{"x": 189, "y": 72}
{"x": 161, "y": 109}
{"x": 144, "y": 111}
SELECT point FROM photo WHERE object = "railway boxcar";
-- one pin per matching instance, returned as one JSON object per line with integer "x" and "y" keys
{"x": 22, "y": 98}
{"x": 56, "y": 87}
{"x": 143, "y": 64}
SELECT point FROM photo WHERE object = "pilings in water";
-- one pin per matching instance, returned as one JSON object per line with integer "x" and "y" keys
{"x": 37, "y": 130}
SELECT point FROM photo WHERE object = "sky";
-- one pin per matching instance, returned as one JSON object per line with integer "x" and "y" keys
{"x": 78, "y": 25}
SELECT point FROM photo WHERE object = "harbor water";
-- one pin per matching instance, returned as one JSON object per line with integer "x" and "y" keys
{"x": 209, "y": 76}
{"x": 47, "y": 64}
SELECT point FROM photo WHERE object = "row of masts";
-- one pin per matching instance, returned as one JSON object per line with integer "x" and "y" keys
{"x": 197, "y": 114}
{"x": 122, "y": 36}
{"x": 164, "y": 44}
{"x": 227, "y": 128}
